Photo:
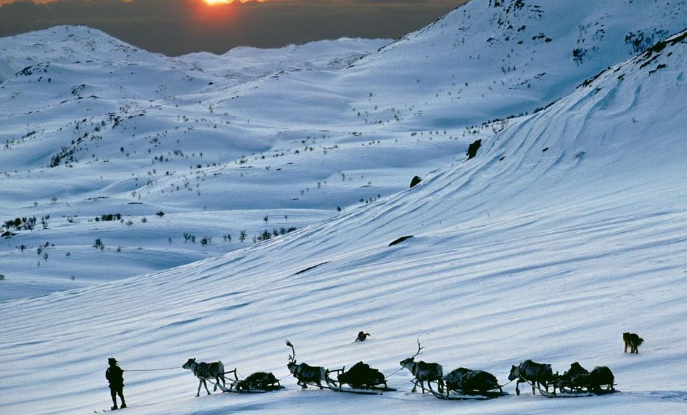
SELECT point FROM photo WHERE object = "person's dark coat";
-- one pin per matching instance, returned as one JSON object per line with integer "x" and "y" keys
{"x": 115, "y": 375}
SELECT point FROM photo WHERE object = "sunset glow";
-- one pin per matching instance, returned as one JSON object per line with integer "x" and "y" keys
{"x": 216, "y": 2}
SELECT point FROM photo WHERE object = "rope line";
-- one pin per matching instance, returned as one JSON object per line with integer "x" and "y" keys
{"x": 150, "y": 370}
{"x": 393, "y": 373}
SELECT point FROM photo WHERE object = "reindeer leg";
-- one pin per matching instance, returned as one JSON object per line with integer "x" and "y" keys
{"x": 422, "y": 386}
{"x": 200, "y": 382}
{"x": 206, "y": 387}
{"x": 517, "y": 388}
{"x": 533, "y": 388}
{"x": 414, "y": 386}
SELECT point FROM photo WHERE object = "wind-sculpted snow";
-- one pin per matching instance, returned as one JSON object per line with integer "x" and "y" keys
{"x": 93, "y": 126}
{"x": 565, "y": 230}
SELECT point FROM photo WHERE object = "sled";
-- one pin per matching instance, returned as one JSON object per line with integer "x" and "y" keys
{"x": 364, "y": 387}
{"x": 581, "y": 393}
{"x": 259, "y": 382}
{"x": 460, "y": 395}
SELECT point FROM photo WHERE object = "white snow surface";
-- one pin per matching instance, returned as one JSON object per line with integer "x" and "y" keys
{"x": 565, "y": 230}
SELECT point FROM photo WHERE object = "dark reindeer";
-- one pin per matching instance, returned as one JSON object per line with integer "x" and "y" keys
{"x": 599, "y": 376}
{"x": 206, "y": 371}
{"x": 565, "y": 382}
{"x": 424, "y": 371}
{"x": 532, "y": 373}
{"x": 304, "y": 372}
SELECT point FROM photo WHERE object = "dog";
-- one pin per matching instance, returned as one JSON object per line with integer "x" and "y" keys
{"x": 633, "y": 340}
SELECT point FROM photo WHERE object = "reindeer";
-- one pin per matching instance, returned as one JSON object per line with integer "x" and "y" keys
{"x": 304, "y": 372}
{"x": 532, "y": 373}
{"x": 206, "y": 371}
{"x": 424, "y": 371}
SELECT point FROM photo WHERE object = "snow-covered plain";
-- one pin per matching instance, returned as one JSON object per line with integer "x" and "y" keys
{"x": 564, "y": 231}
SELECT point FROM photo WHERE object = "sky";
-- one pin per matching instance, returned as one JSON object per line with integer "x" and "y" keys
{"x": 176, "y": 27}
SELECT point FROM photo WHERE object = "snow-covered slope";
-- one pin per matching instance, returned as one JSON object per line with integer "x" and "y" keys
{"x": 204, "y": 138}
{"x": 563, "y": 232}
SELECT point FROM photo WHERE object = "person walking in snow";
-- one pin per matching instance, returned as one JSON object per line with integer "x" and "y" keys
{"x": 115, "y": 375}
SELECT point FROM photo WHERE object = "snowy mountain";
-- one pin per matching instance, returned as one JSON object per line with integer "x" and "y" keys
{"x": 564, "y": 231}
{"x": 95, "y": 127}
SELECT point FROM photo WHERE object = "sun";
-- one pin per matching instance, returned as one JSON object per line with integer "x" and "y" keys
{"x": 216, "y": 2}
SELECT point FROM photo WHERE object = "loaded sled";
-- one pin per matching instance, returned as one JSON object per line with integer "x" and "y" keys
{"x": 579, "y": 382}
{"x": 360, "y": 378}
{"x": 258, "y": 382}
{"x": 467, "y": 384}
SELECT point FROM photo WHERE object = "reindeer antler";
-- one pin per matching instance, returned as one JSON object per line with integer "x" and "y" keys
{"x": 419, "y": 348}
{"x": 292, "y": 358}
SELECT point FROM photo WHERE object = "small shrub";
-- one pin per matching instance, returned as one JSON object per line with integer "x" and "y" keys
{"x": 415, "y": 181}
{"x": 98, "y": 244}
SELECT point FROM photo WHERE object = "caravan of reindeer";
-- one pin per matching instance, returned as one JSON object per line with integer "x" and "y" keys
{"x": 459, "y": 384}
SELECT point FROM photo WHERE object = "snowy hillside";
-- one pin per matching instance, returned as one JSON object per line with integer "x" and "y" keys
{"x": 564, "y": 231}
{"x": 93, "y": 127}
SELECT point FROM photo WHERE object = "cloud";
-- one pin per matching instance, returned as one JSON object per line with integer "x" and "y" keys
{"x": 175, "y": 27}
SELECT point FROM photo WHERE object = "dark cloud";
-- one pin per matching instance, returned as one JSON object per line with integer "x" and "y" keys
{"x": 175, "y": 27}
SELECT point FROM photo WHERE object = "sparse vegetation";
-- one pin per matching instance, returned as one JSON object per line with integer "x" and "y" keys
{"x": 98, "y": 244}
